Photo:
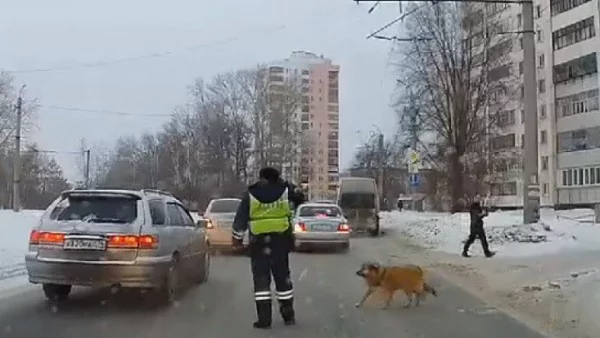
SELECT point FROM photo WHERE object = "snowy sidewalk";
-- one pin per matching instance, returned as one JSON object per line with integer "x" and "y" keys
{"x": 15, "y": 228}
{"x": 547, "y": 273}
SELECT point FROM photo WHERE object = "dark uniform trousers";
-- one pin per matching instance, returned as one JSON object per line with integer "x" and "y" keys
{"x": 269, "y": 255}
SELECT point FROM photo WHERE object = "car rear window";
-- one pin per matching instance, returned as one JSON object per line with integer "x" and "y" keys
{"x": 223, "y": 206}
{"x": 357, "y": 201}
{"x": 97, "y": 209}
{"x": 315, "y": 211}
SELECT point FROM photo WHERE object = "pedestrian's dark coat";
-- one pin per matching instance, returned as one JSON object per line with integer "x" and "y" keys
{"x": 476, "y": 230}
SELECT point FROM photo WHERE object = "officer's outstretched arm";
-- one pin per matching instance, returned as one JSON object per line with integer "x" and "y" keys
{"x": 295, "y": 195}
{"x": 242, "y": 217}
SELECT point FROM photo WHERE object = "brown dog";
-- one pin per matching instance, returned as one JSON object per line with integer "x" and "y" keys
{"x": 408, "y": 278}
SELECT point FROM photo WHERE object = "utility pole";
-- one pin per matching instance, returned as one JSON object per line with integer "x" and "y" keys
{"x": 17, "y": 158}
{"x": 531, "y": 188}
{"x": 413, "y": 141}
{"x": 87, "y": 168}
{"x": 381, "y": 164}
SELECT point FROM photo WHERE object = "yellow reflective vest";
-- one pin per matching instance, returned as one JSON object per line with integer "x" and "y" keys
{"x": 270, "y": 217}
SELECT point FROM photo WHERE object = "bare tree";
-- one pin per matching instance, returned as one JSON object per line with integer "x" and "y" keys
{"x": 205, "y": 149}
{"x": 8, "y": 112}
{"x": 457, "y": 73}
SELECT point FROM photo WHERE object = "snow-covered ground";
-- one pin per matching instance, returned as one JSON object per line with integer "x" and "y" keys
{"x": 548, "y": 272}
{"x": 15, "y": 228}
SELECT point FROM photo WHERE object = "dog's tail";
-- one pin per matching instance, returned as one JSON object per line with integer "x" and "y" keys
{"x": 430, "y": 289}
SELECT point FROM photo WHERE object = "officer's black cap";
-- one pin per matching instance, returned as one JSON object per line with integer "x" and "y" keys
{"x": 269, "y": 173}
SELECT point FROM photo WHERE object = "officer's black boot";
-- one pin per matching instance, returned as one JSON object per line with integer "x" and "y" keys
{"x": 263, "y": 311}
{"x": 286, "y": 308}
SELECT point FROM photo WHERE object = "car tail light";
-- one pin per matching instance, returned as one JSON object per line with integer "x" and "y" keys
{"x": 46, "y": 238}
{"x": 132, "y": 242}
{"x": 343, "y": 227}
{"x": 209, "y": 225}
{"x": 34, "y": 237}
{"x": 300, "y": 227}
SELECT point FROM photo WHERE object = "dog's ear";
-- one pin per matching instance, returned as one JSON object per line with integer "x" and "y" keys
{"x": 374, "y": 266}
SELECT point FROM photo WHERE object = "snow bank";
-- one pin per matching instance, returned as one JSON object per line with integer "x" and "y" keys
{"x": 557, "y": 231}
{"x": 15, "y": 228}
{"x": 547, "y": 272}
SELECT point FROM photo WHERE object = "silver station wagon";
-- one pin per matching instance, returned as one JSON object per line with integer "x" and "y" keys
{"x": 117, "y": 238}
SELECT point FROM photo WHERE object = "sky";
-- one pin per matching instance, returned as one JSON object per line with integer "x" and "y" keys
{"x": 49, "y": 46}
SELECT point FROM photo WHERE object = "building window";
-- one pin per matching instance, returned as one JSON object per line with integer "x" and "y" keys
{"x": 522, "y": 141}
{"x": 545, "y": 189}
{"x": 581, "y": 176}
{"x": 579, "y": 103}
{"x": 519, "y": 20}
{"x": 540, "y": 38}
{"x": 503, "y": 142}
{"x": 538, "y": 11}
{"x": 496, "y": 7}
{"x": 542, "y": 86}
{"x": 543, "y": 137}
{"x": 521, "y": 68}
{"x": 574, "y": 33}
{"x": 542, "y": 111}
{"x": 499, "y": 73}
{"x": 520, "y": 43}
{"x": 505, "y": 118}
{"x": 504, "y": 189}
{"x": 541, "y": 61}
{"x": 577, "y": 140}
{"x": 544, "y": 162}
{"x": 560, "y": 6}
{"x": 522, "y": 116}
{"x": 576, "y": 68}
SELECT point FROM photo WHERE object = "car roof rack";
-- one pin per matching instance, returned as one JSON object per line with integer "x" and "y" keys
{"x": 156, "y": 191}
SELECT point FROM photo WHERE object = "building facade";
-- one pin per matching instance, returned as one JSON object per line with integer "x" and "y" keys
{"x": 567, "y": 47}
{"x": 316, "y": 166}
{"x": 574, "y": 45}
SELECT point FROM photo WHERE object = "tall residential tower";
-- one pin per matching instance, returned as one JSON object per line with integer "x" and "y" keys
{"x": 317, "y": 167}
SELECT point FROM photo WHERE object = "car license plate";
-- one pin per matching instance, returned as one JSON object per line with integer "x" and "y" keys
{"x": 84, "y": 244}
{"x": 322, "y": 227}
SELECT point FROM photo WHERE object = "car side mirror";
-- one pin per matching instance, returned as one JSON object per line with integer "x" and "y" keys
{"x": 201, "y": 223}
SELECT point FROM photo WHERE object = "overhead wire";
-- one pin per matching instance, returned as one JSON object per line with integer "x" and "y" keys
{"x": 104, "y": 112}
{"x": 160, "y": 54}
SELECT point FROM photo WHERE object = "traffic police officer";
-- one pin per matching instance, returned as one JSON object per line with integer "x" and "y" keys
{"x": 266, "y": 208}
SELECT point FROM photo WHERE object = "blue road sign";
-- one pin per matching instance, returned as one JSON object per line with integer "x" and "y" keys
{"x": 414, "y": 179}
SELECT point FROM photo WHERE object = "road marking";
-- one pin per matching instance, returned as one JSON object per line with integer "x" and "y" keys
{"x": 303, "y": 274}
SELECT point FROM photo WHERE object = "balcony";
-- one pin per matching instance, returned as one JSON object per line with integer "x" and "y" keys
{"x": 275, "y": 69}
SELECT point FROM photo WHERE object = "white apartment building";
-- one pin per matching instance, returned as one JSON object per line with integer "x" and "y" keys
{"x": 570, "y": 46}
{"x": 317, "y": 164}
{"x": 567, "y": 47}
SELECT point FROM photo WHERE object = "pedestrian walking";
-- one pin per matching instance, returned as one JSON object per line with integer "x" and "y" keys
{"x": 477, "y": 214}
{"x": 266, "y": 210}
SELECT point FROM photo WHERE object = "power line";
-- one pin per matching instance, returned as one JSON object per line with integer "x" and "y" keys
{"x": 131, "y": 59}
{"x": 41, "y": 151}
{"x": 106, "y": 112}
{"x": 154, "y": 55}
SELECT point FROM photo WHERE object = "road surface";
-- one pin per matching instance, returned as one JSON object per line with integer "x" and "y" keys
{"x": 326, "y": 291}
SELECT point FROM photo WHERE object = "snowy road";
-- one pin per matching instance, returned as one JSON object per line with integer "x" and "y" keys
{"x": 326, "y": 289}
